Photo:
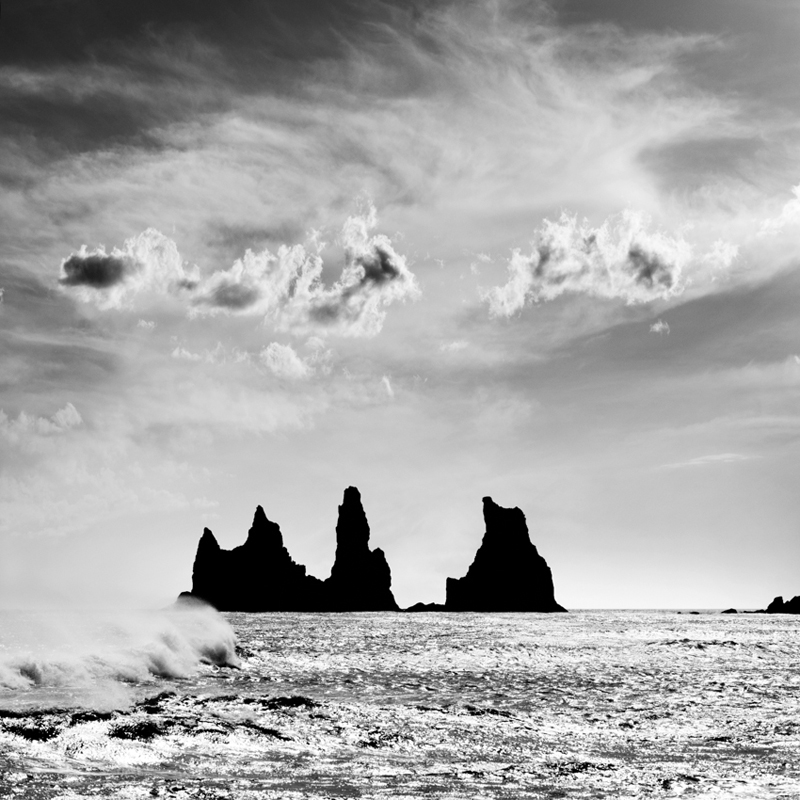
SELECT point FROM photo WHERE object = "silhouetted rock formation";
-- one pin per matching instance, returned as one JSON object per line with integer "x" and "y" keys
{"x": 256, "y": 576}
{"x": 781, "y": 606}
{"x": 508, "y": 574}
{"x": 260, "y": 575}
{"x": 729, "y": 611}
{"x": 360, "y": 578}
{"x": 426, "y": 607}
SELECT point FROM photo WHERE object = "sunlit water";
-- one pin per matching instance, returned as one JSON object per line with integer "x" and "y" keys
{"x": 586, "y": 704}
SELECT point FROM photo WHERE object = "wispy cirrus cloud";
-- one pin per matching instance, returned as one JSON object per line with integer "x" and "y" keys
{"x": 710, "y": 460}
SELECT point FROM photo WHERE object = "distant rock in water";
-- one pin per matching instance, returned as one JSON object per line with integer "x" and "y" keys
{"x": 426, "y": 607}
{"x": 360, "y": 579}
{"x": 260, "y": 575}
{"x": 781, "y": 606}
{"x": 508, "y": 574}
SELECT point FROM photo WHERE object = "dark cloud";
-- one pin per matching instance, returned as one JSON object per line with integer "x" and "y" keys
{"x": 378, "y": 267}
{"x": 57, "y": 118}
{"x": 650, "y": 270}
{"x": 72, "y": 31}
{"x": 97, "y": 271}
{"x": 326, "y": 313}
{"x": 233, "y": 296}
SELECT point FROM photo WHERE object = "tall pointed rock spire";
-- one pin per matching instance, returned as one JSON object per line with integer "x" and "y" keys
{"x": 508, "y": 574}
{"x": 360, "y": 578}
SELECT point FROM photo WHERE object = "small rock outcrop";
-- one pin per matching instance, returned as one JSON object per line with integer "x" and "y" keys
{"x": 781, "y": 606}
{"x": 360, "y": 578}
{"x": 260, "y": 575}
{"x": 420, "y": 607}
{"x": 508, "y": 574}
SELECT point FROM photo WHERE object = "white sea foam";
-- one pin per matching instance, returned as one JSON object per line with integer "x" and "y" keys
{"x": 97, "y": 652}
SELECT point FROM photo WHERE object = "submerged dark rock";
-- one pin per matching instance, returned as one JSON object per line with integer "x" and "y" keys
{"x": 508, "y": 574}
{"x": 260, "y": 575}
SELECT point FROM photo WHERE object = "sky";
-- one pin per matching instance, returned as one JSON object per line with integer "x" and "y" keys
{"x": 257, "y": 252}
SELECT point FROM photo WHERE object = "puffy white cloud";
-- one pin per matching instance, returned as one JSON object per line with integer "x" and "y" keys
{"x": 621, "y": 259}
{"x": 282, "y": 361}
{"x": 148, "y": 263}
{"x": 659, "y": 327}
{"x": 286, "y": 288}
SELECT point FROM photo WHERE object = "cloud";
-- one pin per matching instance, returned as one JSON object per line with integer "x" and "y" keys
{"x": 622, "y": 259}
{"x": 287, "y": 290}
{"x": 659, "y": 327}
{"x": 282, "y": 361}
{"x": 703, "y": 461}
{"x": 219, "y": 355}
{"x": 790, "y": 215}
{"x": 148, "y": 263}
{"x": 387, "y": 385}
{"x": 25, "y": 427}
{"x": 97, "y": 270}
{"x": 453, "y": 347}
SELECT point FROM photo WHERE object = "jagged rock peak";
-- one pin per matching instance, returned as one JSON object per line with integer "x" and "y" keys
{"x": 352, "y": 527}
{"x": 781, "y": 606}
{"x": 263, "y": 531}
{"x": 507, "y": 574}
{"x": 208, "y": 542}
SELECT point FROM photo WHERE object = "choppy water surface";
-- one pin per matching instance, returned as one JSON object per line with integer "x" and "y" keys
{"x": 587, "y": 704}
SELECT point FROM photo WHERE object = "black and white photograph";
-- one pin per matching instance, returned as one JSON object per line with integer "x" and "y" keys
{"x": 400, "y": 399}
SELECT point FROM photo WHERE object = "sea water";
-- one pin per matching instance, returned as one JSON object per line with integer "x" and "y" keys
{"x": 582, "y": 705}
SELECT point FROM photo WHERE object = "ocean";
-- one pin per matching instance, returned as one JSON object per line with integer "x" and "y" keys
{"x": 591, "y": 704}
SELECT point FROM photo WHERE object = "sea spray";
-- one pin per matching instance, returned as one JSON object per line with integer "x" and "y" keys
{"x": 96, "y": 658}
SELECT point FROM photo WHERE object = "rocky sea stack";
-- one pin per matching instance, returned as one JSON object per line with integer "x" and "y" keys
{"x": 260, "y": 575}
{"x": 360, "y": 578}
{"x": 508, "y": 574}
{"x": 781, "y": 606}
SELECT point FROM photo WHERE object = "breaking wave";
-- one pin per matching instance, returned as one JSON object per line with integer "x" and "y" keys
{"x": 79, "y": 650}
